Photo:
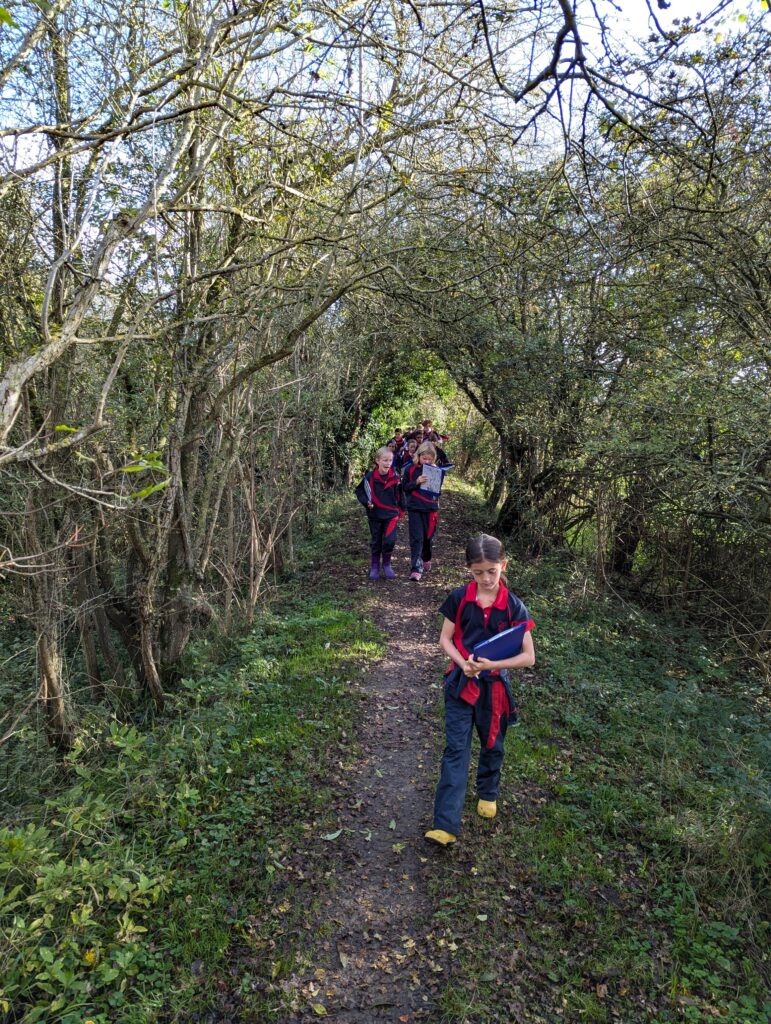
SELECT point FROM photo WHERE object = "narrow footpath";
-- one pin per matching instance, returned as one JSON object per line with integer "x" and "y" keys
{"x": 375, "y": 956}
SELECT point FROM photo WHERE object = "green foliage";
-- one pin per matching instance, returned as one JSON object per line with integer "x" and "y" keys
{"x": 410, "y": 388}
{"x": 74, "y": 925}
{"x": 131, "y": 873}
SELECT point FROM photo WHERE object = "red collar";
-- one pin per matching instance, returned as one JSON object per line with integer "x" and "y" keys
{"x": 501, "y": 598}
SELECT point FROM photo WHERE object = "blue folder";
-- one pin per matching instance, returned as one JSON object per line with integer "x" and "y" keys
{"x": 503, "y": 645}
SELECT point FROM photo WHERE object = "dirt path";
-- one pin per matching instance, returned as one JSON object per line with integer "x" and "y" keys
{"x": 375, "y": 959}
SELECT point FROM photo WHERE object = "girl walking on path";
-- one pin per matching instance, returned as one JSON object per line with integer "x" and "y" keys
{"x": 477, "y": 691}
{"x": 422, "y": 509}
{"x": 380, "y": 492}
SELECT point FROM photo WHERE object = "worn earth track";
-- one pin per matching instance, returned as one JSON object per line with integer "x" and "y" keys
{"x": 375, "y": 957}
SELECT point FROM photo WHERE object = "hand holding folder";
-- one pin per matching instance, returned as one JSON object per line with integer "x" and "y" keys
{"x": 504, "y": 645}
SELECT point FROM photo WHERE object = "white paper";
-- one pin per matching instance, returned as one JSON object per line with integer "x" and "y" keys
{"x": 434, "y": 477}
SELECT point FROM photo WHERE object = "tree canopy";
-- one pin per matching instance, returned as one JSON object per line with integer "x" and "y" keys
{"x": 227, "y": 229}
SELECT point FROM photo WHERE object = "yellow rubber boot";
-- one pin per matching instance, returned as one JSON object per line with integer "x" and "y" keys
{"x": 487, "y": 809}
{"x": 440, "y": 837}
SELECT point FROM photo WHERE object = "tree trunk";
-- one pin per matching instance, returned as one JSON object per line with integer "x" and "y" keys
{"x": 229, "y": 575}
{"x": 58, "y": 726}
{"x": 152, "y": 679}
{"x": 106, "y": 646}
{"x": 86, "y": 626}
{"x": 520, "y": 515}
{"x": 498, "y": 490}
{"x": 629, "y": 528}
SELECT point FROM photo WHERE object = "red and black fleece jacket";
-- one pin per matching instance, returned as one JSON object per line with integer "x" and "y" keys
{"x": 384, "y": 493}
{"x": 490, "y": 692}
{"x": 415, "y": 498}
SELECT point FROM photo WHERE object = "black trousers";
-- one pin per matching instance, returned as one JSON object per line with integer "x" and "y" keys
{"x": 383, "y": 534}
{"x": 422, "y": 529}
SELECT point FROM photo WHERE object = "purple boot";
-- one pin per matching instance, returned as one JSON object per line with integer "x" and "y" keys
{"x": 388, "y": 572}
{"x": 374, "y": 568}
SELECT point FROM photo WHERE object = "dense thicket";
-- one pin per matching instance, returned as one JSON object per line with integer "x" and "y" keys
{"x": 220, "y": 228}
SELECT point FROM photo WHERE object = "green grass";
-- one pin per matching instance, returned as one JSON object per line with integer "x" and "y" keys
{"x": 628, "y": 868}
{"x": 166, "y": 858}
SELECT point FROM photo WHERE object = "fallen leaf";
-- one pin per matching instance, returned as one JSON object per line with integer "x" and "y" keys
{"x": 481, "y": 917}
{"x": 392, "y": 824}
{"x": 601, "y": 990}
{"x": 333, "y": 835}
{"x": 319, "y": 1009}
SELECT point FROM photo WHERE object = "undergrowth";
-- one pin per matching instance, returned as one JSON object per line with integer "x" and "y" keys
{"x": 126, "y": 886}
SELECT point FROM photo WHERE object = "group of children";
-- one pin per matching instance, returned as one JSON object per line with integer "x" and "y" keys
{"x": 393, "y": 487}
{"x": 405, "y": 444}
{"x": 477, "y": 690}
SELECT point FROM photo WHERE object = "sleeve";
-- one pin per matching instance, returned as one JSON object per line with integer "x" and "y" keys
{"x": 450, "y": 605}
{"x": 408, "y": 484}
{"x": 364, "y": 491}
{"x": 518, "y": 612}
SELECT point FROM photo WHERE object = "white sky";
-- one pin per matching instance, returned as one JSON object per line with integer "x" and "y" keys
{"x": 635, "y": 12}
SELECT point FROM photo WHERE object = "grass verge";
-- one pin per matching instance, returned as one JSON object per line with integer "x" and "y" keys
{"x": 160, "y": 875}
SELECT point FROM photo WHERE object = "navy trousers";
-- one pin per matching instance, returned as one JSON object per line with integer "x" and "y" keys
{"x": 421, "y": 539}
{"x": 459, "y": 723}
{"x": 382, "y": 539}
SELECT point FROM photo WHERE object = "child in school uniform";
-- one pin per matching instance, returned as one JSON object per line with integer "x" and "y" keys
{"x": 380, "y": 492}
{"x": 477, "y": 691}
{"x": 422, "y": 510}
{"x": 405, "y": 455}
{"x": 398, "y": 439}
